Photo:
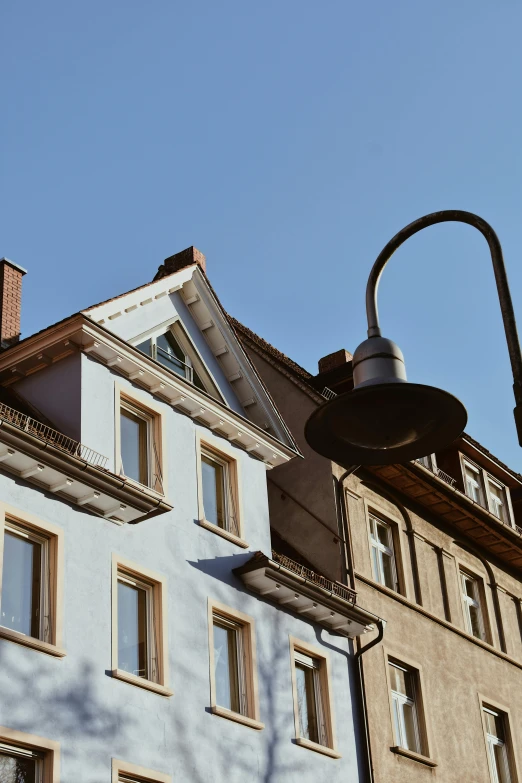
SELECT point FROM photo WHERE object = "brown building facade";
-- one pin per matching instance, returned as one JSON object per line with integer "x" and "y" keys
{"x": 433, "y": 547}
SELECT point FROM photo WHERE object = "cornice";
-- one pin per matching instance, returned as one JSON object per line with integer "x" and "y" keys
{"x": 81, "y": 334}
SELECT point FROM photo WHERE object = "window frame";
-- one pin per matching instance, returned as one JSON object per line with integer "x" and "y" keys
{"x": 485, "y": 479}
{"x": 137, "y": 773}
{"x": 193, "y": 357}
{"x": 144, "y": 407}
{"x": 510, "y": 744}
{"x": 51, "y": 588}
{"x": 157, "y": 623}
{"x": 465, "y": 572}
{"x": 225, "y": 454}
{"x": 299, "y": 647}
{"x": 422, "y": 717}
{"x": 49, "y": 749}
{"x": 248, "y": 665}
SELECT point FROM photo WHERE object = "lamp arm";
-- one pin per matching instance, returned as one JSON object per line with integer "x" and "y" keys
{"x": 504, "y": 294}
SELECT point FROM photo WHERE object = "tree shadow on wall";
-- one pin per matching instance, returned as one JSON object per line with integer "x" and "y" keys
{"x": 37, "y": 697}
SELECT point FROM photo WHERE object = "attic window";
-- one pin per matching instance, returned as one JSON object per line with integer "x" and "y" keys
{"x": 172, "y": 348}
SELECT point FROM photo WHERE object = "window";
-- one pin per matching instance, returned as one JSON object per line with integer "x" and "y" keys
{"x": 25, "y": 758}
{"x": 487, "y": 491}
{"x": 233, "y": 674}
{"x": 124, "y": 772}
{"x": 497, "y": 500}
{"x": 498, "y": 756}
{"x": 406, "y": 728}
{"x": 473, "y": 481}
{"x": 383, "y": 555}
{"x": 312, "y": 711}
{"x": 20, "y": 765}
{"x": 174, "y": 350}
{"x": 139, "y": 441}
{"x": 428, "y": 462}
{"x": 139, "y": 627}
{"x": 135, "y": 641}
{"x": 472, "y": 604}
{"x": 218, "y": 491}
{"x": 30, "y": 601}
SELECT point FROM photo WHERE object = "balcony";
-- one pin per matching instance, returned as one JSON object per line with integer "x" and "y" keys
{"x": 306, "y": 593}
{"x": 41, "y": 455}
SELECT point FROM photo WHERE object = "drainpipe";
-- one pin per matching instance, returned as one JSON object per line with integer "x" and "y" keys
{"x": 381, "y": 624}
{"x": 347, "y": 548}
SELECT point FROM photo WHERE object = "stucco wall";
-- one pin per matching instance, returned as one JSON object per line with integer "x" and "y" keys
{"x": 309, "y": 481}
{"x": 454, "y": 669}
{"x": 96, "y": 717}
{"x": 55, "y": 391}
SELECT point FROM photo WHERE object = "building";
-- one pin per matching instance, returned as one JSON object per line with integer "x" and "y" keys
{"x": 148, "y": 632}
{"x": 435, "y": 547}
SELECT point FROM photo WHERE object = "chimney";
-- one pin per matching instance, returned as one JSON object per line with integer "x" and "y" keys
{"x": 335, "y": 372}
{"x": 334, "y": 360}
{"x": 180, "y": 260}
{"x": 10, "y": 301}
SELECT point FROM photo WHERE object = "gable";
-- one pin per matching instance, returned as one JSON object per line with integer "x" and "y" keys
{"x": 186, "y": 297}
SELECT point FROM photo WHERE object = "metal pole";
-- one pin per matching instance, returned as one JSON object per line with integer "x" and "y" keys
{"x": 504, "y": 294}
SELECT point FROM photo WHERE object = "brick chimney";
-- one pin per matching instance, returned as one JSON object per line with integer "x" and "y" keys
{"x": 191, "y": 255}
{"x": 334, "y": 360}
{"x": 10, "y": 301}
{"x": 335, "y": 372}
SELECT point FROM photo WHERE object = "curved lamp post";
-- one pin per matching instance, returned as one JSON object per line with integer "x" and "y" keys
{"x": 385, "y": 419}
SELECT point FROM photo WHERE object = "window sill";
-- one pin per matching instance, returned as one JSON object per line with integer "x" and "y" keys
{"x": 223, "y": 533}
{"x": 237, "y": 717}
{"x": 141, "y": 682}
{"x": 30, "y": 641}
{"x": 410, "y": 754}
{"x": 306, "y": 743}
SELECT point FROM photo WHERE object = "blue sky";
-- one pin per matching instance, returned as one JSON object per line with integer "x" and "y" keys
{"x": 288, "y": 141}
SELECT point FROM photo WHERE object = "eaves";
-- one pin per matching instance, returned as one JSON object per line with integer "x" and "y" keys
{"x": 80, "y": 333}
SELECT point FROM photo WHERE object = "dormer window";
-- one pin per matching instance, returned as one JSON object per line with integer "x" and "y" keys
{"x": 173, "y": 349}
{"x": 486, "y": 491}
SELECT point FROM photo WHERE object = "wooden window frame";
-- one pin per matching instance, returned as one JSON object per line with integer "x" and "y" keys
{"x": 141, "y": 405}
{"x": 247, "y": 624}
{"x": 54, "y": 538}
{"x": 485, "y": 480}
{"x": 329, "y": 749}
{"x": 422, "y": 717}
{"x": 137, "y": 773}
{"x": 193, "y": 357}
{"x": 510, "y": 743}
{"x": 226, "y": 454}
{"x": 372, "y": 509}
{"x": 464, "y": 570}
{"x": 48, "y": 748}
{"x": 157, "y": 583}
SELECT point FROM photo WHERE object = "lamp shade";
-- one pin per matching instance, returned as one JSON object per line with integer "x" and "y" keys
{"x": 385, "y": 419}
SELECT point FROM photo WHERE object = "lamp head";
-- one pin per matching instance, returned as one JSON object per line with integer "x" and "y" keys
{"x": 385, "y": 420}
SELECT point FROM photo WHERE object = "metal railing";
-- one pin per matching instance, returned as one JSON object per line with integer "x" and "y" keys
{"x": 436, "y": 471}
{"x": 321, "y": 581}
{"x": 328, "y": 394}
{"x": 54, "y": 438}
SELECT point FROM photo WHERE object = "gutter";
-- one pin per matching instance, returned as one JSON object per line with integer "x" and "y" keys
{"x": 82, "y": 471}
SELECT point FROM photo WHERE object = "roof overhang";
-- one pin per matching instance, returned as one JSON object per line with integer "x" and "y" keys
{"x": 315, "y": 598}
{"x": 80, "y": 333}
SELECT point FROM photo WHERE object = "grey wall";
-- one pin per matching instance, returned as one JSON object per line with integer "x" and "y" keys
{"x": 55, "y": 391}
{"x": 95, "y": 717}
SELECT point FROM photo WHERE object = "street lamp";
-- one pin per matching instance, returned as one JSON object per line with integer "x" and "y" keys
{"x": 385, "y": 419}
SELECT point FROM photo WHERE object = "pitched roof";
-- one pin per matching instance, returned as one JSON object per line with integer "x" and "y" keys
{"x": 303, "y": 375}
